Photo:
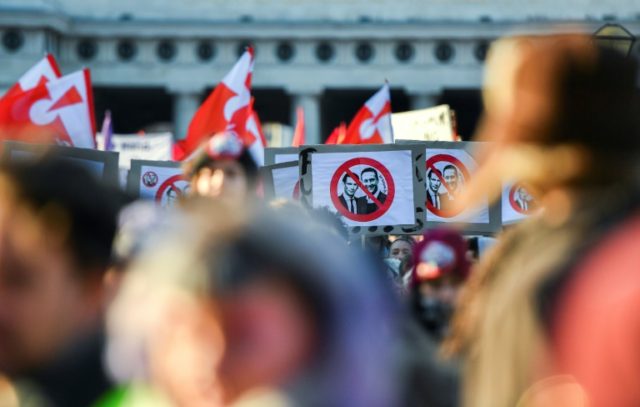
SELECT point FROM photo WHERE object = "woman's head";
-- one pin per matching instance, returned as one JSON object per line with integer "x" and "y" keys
{"x": 222, "y": 169}
{"x": 560, "y": 114}
{"x": 561, "y": 89}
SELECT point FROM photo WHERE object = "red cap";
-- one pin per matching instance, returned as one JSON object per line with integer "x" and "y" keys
{"x": 441, "y": 252}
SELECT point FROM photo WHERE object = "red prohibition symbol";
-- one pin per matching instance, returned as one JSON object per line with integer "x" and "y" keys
{"x": 444, "y": 213}
{"x": 382, "y": 207}
{"x": 170, "y": 183}
{"x": 518, "y": 202}
{"x": 296, "y": 191}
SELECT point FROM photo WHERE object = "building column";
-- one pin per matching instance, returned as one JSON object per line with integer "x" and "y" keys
{"x": 423, "y": 100}
{"x": 310, "y": 102}
{"x": 185, "y": 104}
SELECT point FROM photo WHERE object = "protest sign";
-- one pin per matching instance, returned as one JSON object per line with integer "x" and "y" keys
{"x": 432, "y": 124}
{"x": 102, "y": 164}
{"x": 377, "y": 189}
{"x": 279, "y": 155}
{"x": 517, "y": 203}
{"x": 282, "y": 180}
{"x": 150, "y": 146}
{"x": 161, "y": 181}
{"x": 449, "y": 167}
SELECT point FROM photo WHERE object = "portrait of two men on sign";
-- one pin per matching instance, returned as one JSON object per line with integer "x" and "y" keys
{"x": 443, "y": 186}
{"x": 362, "y": 193}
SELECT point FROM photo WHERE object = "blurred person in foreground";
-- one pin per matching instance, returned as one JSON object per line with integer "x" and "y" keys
{"x": 57, "y": 224}
{"x": 441, "y": 268}
{"x": 137, "y": 223}
{"x": 272, "y": 309}
{"x": 223, "y": 169}
{"x": 438, "y": 269}
{"x": 549, "y": 316}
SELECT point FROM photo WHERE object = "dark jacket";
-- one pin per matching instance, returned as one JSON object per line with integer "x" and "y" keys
{"x": 360, "y": 204}
{"x": 371, "y": 207}
{"x": 75, "y": 379}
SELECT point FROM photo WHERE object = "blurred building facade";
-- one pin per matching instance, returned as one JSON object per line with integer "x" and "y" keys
{"x": 153, "y": 62}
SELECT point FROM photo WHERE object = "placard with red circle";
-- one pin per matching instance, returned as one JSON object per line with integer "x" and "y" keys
{"x": 531, "y": 208}
{"x": 345, "y": 168}
{"x": 459, "y": 165}
{"x": 176, "y": 183}
{"x": 150, "y": 179}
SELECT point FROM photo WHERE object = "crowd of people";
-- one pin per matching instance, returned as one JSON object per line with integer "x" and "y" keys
{"x": 225, "y": 299}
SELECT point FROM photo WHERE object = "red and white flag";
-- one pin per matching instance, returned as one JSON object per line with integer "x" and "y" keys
{"x": 298, "y": 134}
{"x": 226, "y": 108}
{"x": 44, "y": 70}
{"x": 372, "y": 123}
{"x": 253, "y": 138}
{"x": 59, "y": 110}
{"x": 338, "y": 135}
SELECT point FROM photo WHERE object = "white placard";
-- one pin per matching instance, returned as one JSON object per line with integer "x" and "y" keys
{"x": 432, "y": 124}
{"x": 164, "y": 185}
{"x": 385, "y": 175}
{"x": 151, "y": 146}
{"x": 448, "y": 171}
{"x": 286, "y": 183}
{"x": 517, "y": 203}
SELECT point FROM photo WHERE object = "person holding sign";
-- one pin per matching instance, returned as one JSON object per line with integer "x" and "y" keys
{"x": 375, "y": 198}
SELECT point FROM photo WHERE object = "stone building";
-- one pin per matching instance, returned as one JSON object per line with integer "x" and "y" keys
{"x": 154, "y": 61}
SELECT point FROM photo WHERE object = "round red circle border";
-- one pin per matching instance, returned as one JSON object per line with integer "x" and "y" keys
{"x": 512, "y": 199}
{"x": 149, "y": 184}
{"x": 465, "y": 173}
{"x": 391, "y": 189}
{"x": 171, "y": 180}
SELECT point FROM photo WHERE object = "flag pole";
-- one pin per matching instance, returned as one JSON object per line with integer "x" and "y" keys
{"x": 393, "y": 137}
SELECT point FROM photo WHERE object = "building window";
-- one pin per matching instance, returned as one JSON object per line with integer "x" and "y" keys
{"x": 444, "y": 52}
{"x": 205, "y": 51}
{"x": 243, "y": 47}
{"x": 285, "y": 51}
{"x": 480, "y": 51}
{"x": 12, "y": 40}
{"x": 86, "y": 49}
{"x": 126, "y": 50}
{"x": 324, "y": 52}
{"x": 166, "y": 50}
{"x": 364, "y": 52}
{"x": 404, "y": 52}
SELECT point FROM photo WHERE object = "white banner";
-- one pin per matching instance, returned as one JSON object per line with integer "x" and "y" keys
{"x": 517, "y": 203}
{"x": 151, "y": 146}
{"x": 432, "y": 124}
{"x": 164, "y": 185}
{"x": 448, "y": 171}
{"x": 286, "y": 183}
{"x": 367, "y": 188}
